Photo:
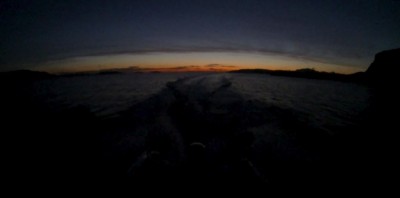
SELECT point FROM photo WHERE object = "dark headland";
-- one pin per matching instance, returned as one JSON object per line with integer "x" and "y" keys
{"x": 385, "y": 68}
{"x": 382, "y": 70}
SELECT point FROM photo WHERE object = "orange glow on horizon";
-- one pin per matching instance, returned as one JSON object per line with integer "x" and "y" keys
{"x": 192, "y": 69}
{"x": 188, "y": 62}
{"x": 166, "y": 69}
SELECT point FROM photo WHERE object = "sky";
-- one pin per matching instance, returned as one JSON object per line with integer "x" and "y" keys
{"x": 67, "y": 36}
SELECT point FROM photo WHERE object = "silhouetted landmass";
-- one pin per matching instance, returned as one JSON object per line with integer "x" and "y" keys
{"x": 309, "y": 73}
{"x": 108, "y": 72}
{"x": 24, "y": 75}
{"x": 132, "y": 69}
{"x": 383, "y": 77}
{"x": 16, "y": 87}
{"x": 382, "y": 124}
{"x": 384, "y": 69}
{"x": 112, "y": 71}
{"x": 89, "y": 73}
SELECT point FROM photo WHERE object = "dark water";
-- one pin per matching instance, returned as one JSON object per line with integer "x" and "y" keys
{"x": 103, "y": 95}
{"x": 159, "y": 129}
{"x": 107, "y": 95}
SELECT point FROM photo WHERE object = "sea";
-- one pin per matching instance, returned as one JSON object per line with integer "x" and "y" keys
{"x": 274, "y": 130}
{"x": 326, "y": 103}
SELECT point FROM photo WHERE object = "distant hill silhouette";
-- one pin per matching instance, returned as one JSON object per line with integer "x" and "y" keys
{"x": 111, "y": 71}
{"x": 309, "y": 73}
{"x": 24, "y": 75}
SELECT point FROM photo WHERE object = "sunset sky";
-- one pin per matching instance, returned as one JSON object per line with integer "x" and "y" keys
{"x": 67, "y": 36}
